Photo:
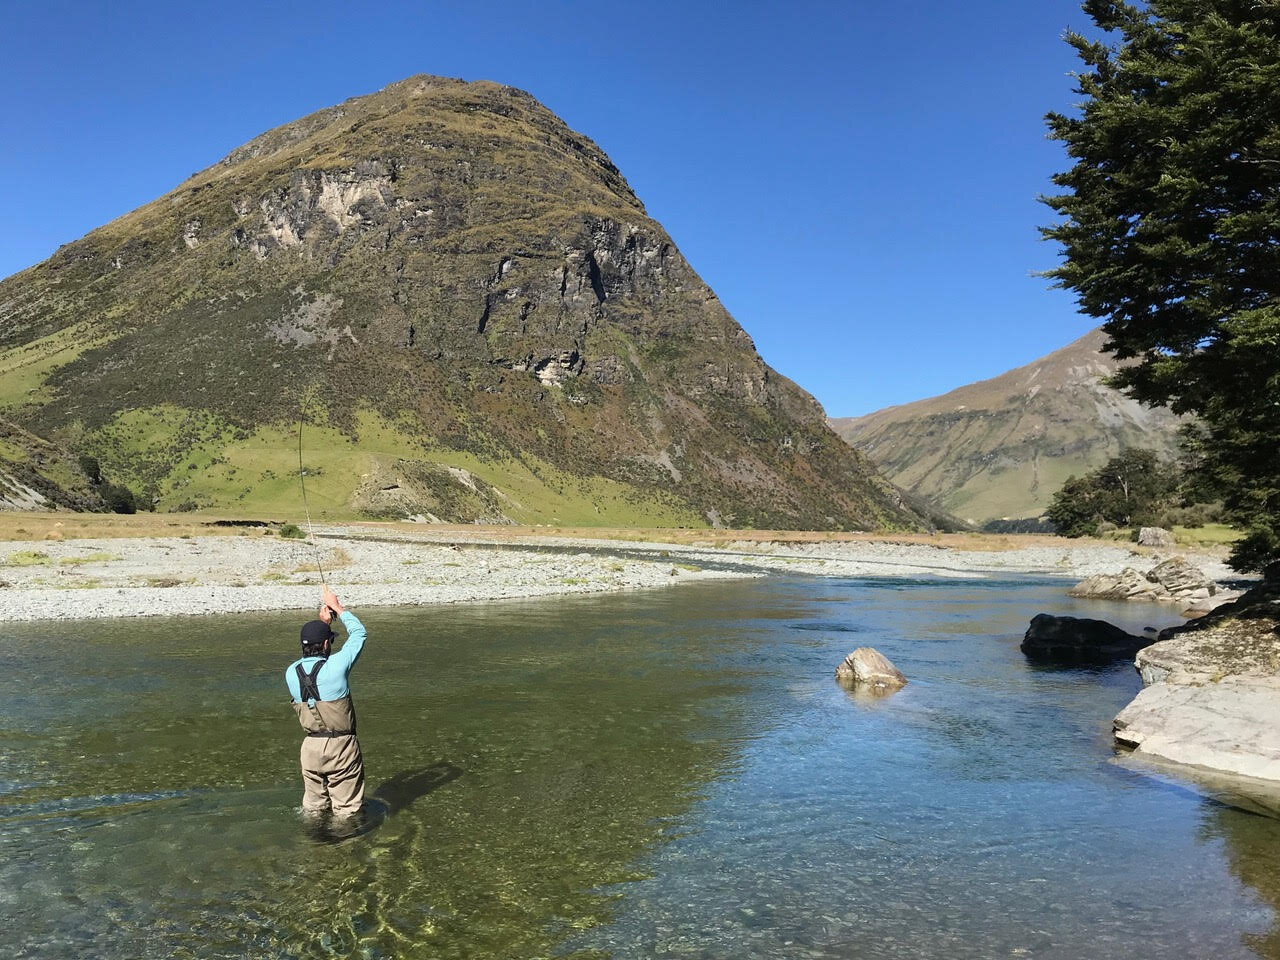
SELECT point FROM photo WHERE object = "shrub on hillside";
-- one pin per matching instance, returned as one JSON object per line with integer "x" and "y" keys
{"x": 116, "y": 497}
{"x": 91, "y": 468}
{"x": 291, "y": 531}
{"x": 119, "y": 498}
{"x": 1019, "y": 525}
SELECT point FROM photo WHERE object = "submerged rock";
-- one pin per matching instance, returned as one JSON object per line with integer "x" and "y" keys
{"x": 1076, "y": 640}
{"x": 1207, "y": 605}
{"x": 868, "y": 669}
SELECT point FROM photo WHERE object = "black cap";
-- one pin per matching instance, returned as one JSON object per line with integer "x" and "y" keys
{"x": 315, "y": 632}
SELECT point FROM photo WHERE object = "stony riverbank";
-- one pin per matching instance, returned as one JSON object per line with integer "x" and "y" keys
{"x": 1211, "y": 694}
{"x": 158, "y": 576}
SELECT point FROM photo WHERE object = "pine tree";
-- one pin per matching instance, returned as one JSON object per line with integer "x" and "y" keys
{"x": 1171, "y": 227}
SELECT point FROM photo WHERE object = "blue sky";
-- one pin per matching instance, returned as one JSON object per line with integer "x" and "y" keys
{"x": 856, "y": 180}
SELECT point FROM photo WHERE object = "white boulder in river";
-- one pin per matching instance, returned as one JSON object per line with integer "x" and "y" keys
{"x": 869, "y": 669}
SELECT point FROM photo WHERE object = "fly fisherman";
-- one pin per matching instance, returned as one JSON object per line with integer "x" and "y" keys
{"x": 332, "y": 768}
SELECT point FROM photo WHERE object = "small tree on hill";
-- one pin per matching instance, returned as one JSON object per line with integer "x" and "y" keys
{"x": 1128, "y": 490}
{"x": 1172, "y": 225}
{"x": 1074, "y": 512}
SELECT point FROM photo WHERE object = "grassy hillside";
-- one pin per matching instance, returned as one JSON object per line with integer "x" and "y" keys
{"x": 1002, "y": 447}
{"x": 466, "y": 301}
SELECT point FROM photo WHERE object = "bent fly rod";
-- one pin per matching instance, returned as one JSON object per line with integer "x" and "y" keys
{"x": 302, "y": 482}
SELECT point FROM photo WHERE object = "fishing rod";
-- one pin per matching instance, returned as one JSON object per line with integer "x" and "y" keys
{"x": 302, "y": 482}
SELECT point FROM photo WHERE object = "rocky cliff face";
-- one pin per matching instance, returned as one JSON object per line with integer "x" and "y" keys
{"x": 1003, "y": 447}
{"x": 38, "y": 475}
{"x": 439, "y": 274}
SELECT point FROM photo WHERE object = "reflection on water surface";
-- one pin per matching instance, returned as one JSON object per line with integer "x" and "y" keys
{"x": 668, "y": 774}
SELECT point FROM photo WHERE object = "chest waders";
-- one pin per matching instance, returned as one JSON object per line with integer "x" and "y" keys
{"x": 322, "y": 718}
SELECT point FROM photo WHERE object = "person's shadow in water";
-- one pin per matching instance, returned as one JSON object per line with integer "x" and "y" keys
{"x": 405, "y": 787}
{"x": 392, "y": 796}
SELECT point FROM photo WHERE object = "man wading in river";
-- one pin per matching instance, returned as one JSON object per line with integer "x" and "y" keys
{"x": 332, "y": 768}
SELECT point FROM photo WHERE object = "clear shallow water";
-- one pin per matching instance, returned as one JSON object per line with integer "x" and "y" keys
{"x": 669, "y": 774}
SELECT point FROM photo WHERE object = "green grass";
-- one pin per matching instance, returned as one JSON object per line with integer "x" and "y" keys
{"x": 27, "y": 558}
{"x": 1010, "y": 493}
{"x": 10, "y": 450}
{"x": 539, "y": 492}
{"x": 24, "y": 368}
{"x": 88, "y": 558}
{"x": 257, "y": 474}
{"x": 1210, "y": 535}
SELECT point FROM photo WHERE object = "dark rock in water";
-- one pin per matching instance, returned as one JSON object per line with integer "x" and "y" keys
{"x": 1075, "y": 640}
{"x": 870, "y": 670}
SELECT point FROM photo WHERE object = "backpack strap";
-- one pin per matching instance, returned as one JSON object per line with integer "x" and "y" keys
{"x": 308, "y": 688}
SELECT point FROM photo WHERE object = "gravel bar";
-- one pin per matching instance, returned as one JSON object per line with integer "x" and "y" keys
{"x": 167, "y": 576}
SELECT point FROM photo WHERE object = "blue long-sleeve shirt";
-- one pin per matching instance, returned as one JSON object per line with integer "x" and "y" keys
{"x": 332, "y": 679}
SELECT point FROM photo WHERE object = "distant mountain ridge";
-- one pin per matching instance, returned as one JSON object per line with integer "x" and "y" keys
{"x": 1002, "y": 447}
{"x": 467, "y": 304}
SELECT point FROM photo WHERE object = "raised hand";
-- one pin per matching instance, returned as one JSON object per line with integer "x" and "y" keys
{"x": 330, "y": 599}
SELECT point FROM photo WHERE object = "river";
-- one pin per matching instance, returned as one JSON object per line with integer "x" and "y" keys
{"x": 647, "y": 775}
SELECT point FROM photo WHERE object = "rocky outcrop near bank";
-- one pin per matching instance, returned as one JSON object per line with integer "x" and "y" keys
{"x": 1171, "y": 581}
{"x": 1211, "y": 695}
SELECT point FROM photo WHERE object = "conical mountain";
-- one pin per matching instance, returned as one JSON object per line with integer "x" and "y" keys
{"x": 471, "y": 307}
{"x": 1002, "y": 447}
